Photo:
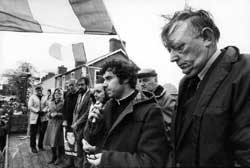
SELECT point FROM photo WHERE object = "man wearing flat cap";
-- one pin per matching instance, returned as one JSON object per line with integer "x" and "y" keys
{"x": 148, "y": 81}
{"x": 38, "y": 121}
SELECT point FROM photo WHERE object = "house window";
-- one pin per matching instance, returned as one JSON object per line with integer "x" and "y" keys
{"x": 84, "y": 71}
{"x": 98, "y": 77}
{"x": 63, "y": 81}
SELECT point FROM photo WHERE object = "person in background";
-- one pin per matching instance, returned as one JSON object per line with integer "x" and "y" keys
{"x": 211, "y": 127}
{"x": 49, "y": 96}
{"x": 68, "y": 109}
{"x": 130, "y": 125}
{"x": 54, "y": 131}
{"x": 69, "y": 103}
{"x": 167, "y": 100}
{"x": 100, "y": 99}
{"x": 80, "y": 117}
{"x": 66, "y": 88}
{"x": 38, "y": 121}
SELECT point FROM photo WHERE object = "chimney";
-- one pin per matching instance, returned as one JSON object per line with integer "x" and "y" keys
{"x": 78, "y": 63}
{"x": 62, "y": 69}
{"x": 115, "y": 44}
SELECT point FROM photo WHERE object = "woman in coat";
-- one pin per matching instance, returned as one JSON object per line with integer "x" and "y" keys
{"x": 99, "y": 100}
{"x": 54, "y": 132}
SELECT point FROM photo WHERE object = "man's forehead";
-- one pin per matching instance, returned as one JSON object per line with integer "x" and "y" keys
{"x": 108, "y": 73}
{"x": 98, "y": 86}
{"x": 81, "y": 81}
{"x": 177, "y": 30}
{"x": 147, "y": 78}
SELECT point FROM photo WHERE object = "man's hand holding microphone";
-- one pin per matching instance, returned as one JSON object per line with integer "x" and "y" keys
{"x": 95, "y": 114}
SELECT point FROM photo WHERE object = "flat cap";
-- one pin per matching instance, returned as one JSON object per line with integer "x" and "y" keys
{"x": 146, "y": 73}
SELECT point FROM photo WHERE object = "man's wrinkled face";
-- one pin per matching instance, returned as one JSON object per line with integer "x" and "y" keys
{"x": 113, "y": 87}
{"x": 187, "y": 48}
{"x": 148, "y": 83}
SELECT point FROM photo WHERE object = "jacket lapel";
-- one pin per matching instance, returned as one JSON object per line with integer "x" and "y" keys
{"x": 127, "y": 110}
{"x": 212, "y": 81}
{"x": 215, "y": 79}
{"x": 140, "y": 97}
{"x": 174, "y": 126}
{"x": 84, "y": 101}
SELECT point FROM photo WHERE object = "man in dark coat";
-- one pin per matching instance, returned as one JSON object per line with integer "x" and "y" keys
{"x": 70, "y": 99}
{"x": 69, "y": 103}
{"x": 80, "y": 116}
{"x": 148, "y": 81}
{"x": 131, "y": 127}
{"x": 211, "y": 127}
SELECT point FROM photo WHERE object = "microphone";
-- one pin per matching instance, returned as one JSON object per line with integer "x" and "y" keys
{"x": 98, "y": 105}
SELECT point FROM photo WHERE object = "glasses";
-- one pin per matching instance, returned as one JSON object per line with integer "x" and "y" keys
{"x": 81, "y": 84}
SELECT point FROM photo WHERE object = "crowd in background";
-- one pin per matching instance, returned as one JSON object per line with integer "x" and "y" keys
{"x": 129, "y": 120}
{"x": 53, "y": 114}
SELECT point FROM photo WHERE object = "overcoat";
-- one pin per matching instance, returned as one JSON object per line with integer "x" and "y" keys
{"x": 167, "y": 102}
{"x": 136, "y": 138}
{"x": 80, "y": 115}
{"x": 35, "y": 105}
{"x": 54, "y": 133}
{"x": 216, "y": 128}
{"x": 69, "y": 106}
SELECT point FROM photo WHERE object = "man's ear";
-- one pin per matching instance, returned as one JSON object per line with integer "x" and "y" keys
{"x": 208, "y": 36}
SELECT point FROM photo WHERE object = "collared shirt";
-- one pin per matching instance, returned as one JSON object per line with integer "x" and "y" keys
{"x": 121, "y": 104}
{"x": 211, "y": 60}
{"x": 119, "y": 100}
{"x": 80, "y": 99}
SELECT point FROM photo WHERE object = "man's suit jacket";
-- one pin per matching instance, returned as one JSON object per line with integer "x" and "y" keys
{"x": 35, "y": 105}
{"x": 80, "y": 114}
{"x": 216, "y": 128}
{"x": 135, "y": 139}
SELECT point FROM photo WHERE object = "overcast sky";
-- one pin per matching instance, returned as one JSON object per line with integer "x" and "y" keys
{"x": 139, "y": 23}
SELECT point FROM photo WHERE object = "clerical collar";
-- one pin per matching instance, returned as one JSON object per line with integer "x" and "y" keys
{"x": 211, "y": 60}
{"x": 125, "y": 97}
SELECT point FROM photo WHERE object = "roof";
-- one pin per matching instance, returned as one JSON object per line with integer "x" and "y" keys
{"x": 92, "y": 62}
{"x": 105, "y": 56}
{"x": 72, "y": 70}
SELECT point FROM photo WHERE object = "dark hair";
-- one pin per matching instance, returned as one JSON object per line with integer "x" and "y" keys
{"x": 71, "y": 146}
{"x": 198, "y": 18}
{"x": 123, "y": 70}
{"x": 39, "y": 88}
{"x": 53, "y": 95}
{"x": 86, "y": 80}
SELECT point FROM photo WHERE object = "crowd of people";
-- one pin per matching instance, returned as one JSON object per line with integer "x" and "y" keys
{"x": 130, "y": 120}
{"x": 9, "y": 108}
